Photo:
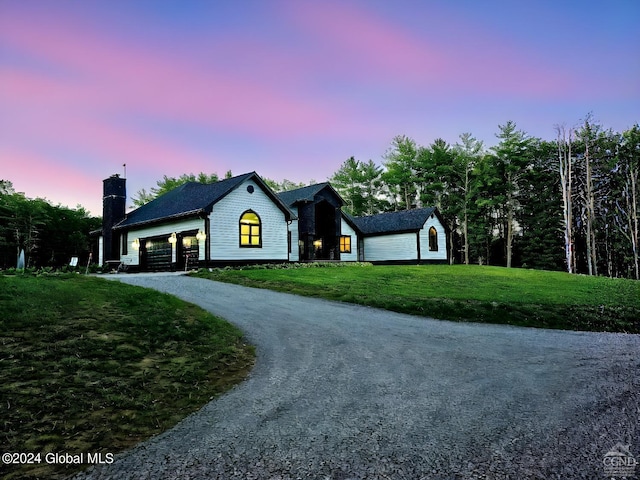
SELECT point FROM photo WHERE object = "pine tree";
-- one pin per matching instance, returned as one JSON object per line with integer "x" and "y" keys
{"x": 400, "y": 174}
{"x": 511, "y": 159}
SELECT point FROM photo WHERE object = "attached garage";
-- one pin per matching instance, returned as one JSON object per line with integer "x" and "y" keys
{"x": 236, "y": 220}
{"x": 155, "y": 253}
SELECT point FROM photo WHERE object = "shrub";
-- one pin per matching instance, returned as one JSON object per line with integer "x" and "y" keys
{"x": 285, "y": 266}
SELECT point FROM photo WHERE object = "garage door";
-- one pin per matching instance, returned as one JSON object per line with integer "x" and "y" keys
{"x": 157, "y": 254}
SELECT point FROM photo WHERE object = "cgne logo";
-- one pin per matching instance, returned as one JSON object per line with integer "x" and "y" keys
{"x": 619, "y": 462}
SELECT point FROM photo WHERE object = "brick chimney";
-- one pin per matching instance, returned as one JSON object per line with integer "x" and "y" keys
{"x": 114, "y": 199}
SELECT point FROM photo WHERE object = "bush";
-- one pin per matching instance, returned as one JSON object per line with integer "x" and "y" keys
{"x": 50, "y": 271}
{"x": 286, "y": 266}
{"x": 95, "y": 268}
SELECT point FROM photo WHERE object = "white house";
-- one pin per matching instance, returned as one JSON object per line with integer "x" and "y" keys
{"x": 241, "y": 220}
{"x": 407, "y": 236}
{"x": 236, "y": 220}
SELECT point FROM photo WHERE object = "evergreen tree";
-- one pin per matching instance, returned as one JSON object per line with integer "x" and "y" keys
{"x": 359, "y": 185}
{"x": 348, "y": 183}
{"x": 169, "y": 183}
{"x": 485, "y": 217}
{"x": 283, "y": 186}
{"x": 438, "y": 185}
{"x": 400, "y": 174}
{"x": 374, "y": 201}
{"x": 467, "y": 154}
{"x": 512, "y": 158}
{"x": 540, "y": 219}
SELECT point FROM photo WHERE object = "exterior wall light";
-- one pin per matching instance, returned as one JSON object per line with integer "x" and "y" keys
{"x": 201, "y": 236}
{"x": 173, "y": 239}
{"x": 136, "y": 244}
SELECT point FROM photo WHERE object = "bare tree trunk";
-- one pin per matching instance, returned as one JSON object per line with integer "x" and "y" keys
{"x": 509, "y": 232}
{"x": 465, "y": 233}
{"x": 633, "y": 219}
{"x": 609, "y": 252}
{"x": 591, "y": 236}
{"x": 465, "y": 228}
{"x": 565, "y": 163}
{"x": 451, "y": 230}
{"x": 509, "y": 237}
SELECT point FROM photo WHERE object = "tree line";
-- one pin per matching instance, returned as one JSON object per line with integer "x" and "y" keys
{"x": 570, "y": 203}
{"x": 49, "y": 235}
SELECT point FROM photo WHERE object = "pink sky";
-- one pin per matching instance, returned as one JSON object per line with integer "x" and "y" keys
{"x": 290, "y": 89}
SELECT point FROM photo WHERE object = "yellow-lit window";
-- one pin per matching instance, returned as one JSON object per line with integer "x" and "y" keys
{"x": 250, "y": 230}
{"x": 345, "y": 244}
{"x": 433, "y": 240}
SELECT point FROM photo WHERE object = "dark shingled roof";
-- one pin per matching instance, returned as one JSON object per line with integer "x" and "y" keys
{"x": 304, "y": 194}
{"x": 189, "y": 199}
{"x": 393, "y": 222}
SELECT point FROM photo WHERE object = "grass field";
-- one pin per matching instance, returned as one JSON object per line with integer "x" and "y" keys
{"x": 93, "y": 366}
{"x": 530, "y": 298}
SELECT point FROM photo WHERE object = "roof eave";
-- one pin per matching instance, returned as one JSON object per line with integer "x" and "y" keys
{"x": 390, "y": 232}
{"x": 191, "y": 213}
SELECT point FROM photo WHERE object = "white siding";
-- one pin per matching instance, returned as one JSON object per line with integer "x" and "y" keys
{"x": 224, "y": 237}
{"x": 294, "y": 255}
{"x": 133, "y": 258}
{"x": 425, "y": 254}
{"x": 395, "y": 247}
{"x": 100, "y": 250}
{"x": 346, "y": 229}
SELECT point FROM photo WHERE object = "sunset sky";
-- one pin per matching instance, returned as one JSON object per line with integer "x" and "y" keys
{"x": 291, "y": 89}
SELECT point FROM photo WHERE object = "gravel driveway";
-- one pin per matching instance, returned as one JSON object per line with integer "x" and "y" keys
{"x": 348, "y": 392}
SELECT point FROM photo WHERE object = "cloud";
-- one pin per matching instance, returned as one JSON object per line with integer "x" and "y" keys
{"x": 291, "y": 89}
{"x": 98, "y": 75}
{"x": 449, "y": 54}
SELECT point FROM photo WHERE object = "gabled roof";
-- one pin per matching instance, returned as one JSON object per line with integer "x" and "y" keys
{"x": 306, "y": 194}
{"x": 392, "y": 222}
{"x": 192, "y": 199}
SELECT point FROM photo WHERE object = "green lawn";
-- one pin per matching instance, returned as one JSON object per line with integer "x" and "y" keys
{"x": 464, "y": 293}
{"x": 89, "y": 365}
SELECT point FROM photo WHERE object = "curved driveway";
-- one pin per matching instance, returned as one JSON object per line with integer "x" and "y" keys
{"x": 348, "y": 392}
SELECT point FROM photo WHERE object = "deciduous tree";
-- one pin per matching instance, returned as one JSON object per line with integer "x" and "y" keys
{"x": 511, "y": 159}
{"x": 565, "y": 167}
{"x": 627, "y": 167}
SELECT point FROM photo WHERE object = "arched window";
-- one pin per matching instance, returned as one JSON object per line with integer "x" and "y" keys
{"x": 433, "y": 240}
{"x": 250, "y": 230}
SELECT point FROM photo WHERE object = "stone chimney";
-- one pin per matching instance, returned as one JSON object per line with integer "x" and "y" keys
{"x": 114, "y": 199}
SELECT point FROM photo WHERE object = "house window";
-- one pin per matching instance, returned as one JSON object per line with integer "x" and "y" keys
{"x": 345, "y": 244}
{"x": 250, "y": 230}
{"x": 125, "y": 244}
{"x": 433, "y": 240}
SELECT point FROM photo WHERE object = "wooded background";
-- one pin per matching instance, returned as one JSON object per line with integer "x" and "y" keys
{"x": 570, "y": 203}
